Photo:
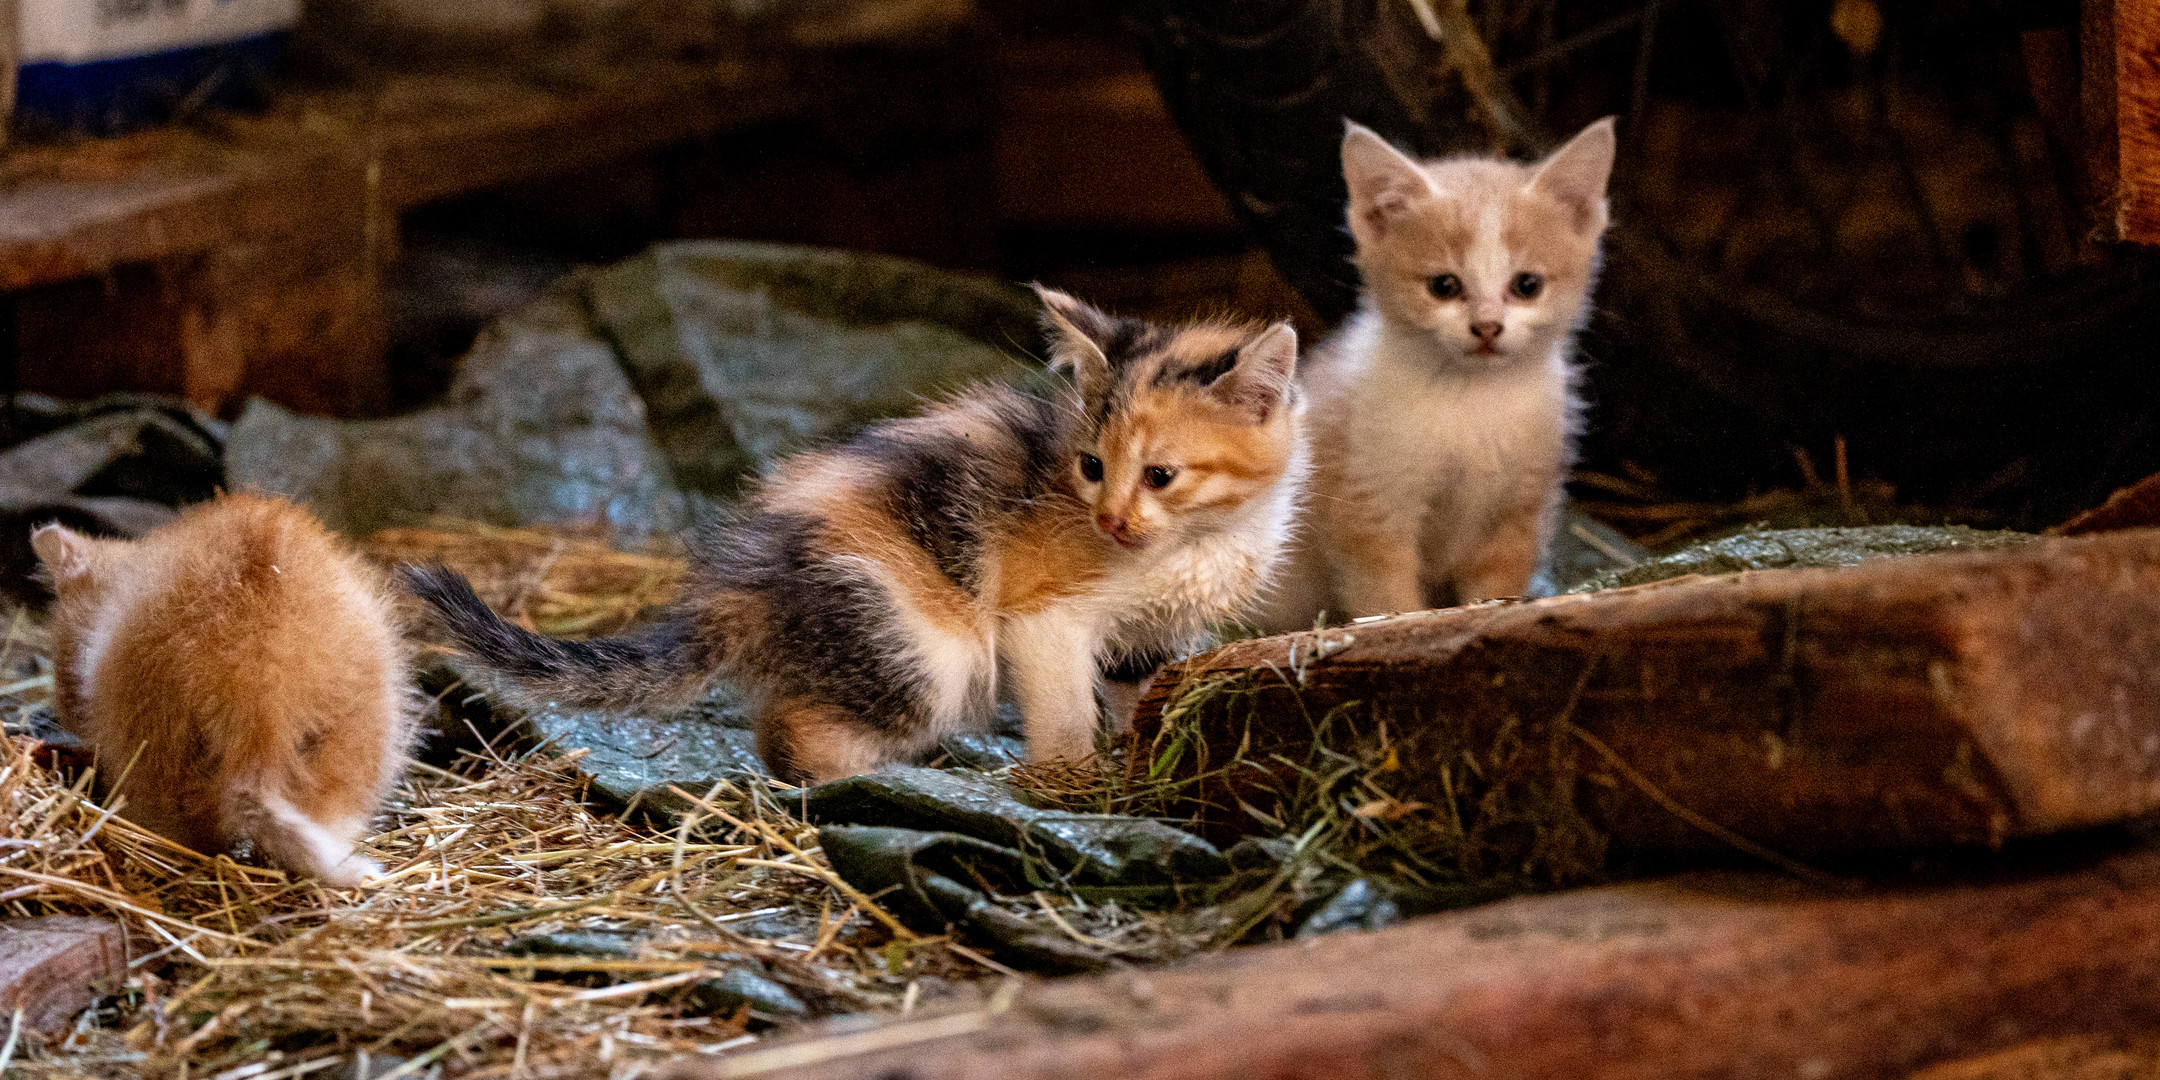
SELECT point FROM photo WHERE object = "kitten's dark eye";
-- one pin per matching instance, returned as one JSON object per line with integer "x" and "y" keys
{"x": 1158, "y": 477}
{"x": 1527, "y": 286}
{"x": 1446, "y": 286}
{"x": 1091, "y": 468}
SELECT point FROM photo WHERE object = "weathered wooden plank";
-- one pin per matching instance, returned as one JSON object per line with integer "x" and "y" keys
{"x": 1694, "y": 977}
{"x": 446, "y": 137}
{"x": 1947, "y": 699}
{"x": 51, "y": 968}
{"x": 295, "y": 316}
{"x": 268, "y": 238}
{"x": 72, "y": 211}
{"x": 51, "y": 233}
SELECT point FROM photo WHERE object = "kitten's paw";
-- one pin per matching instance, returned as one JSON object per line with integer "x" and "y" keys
{"x": 1070, "y": 746}
{"x": 351, "y": 872}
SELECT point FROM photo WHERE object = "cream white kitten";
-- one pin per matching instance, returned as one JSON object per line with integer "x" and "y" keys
{"x": 1444, "y": 412}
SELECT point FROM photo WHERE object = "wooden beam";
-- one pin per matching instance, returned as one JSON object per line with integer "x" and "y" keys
{"x": 71, "y": 211}
{"x": 1959, "y": 698}
{"x": 444, "y": 137}
{"x": 267, "y": 237}
{"x": 1692, "y": 978}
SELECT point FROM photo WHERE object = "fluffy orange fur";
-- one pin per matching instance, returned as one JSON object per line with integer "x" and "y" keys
{"x": 241, "y": 676}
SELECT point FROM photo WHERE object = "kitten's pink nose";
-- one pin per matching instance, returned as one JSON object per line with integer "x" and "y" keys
{"x": 1486, "y": 332}
{"x": 1112, "y": 524}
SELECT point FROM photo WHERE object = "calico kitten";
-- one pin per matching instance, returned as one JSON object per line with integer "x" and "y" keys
{"x": 871, "y": 598}
{"x": 244, "y": 670}
{"x": 1444, "y": 411}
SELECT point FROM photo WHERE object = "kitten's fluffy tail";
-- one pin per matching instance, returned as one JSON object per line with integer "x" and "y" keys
{"x": 660, "y": 667}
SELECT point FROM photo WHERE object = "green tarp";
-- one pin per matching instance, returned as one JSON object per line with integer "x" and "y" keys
{"x": 628, "y": 392}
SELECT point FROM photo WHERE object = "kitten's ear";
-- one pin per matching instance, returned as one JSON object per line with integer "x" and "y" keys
{"x": 1382, "y": 179}
{"x": 1574, "y": 175}
{"x": 1266, "y": 369}
{"x": 1078, "y": 334}
{"x": 65, "y": 552}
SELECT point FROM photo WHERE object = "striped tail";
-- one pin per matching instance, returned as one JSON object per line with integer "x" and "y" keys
{"x": 661, "y": 667}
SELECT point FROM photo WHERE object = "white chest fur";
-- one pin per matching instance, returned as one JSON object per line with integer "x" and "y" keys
{"x": 1437, "y": 443}
{"x": 1415, "y": 443}
{"x": 1173, "y": 601}
{"x": 1214, "y": 579}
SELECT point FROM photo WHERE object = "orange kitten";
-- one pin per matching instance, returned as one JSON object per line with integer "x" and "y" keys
{"x": 1444, "y": 412}
{"x": 244, "y": 669}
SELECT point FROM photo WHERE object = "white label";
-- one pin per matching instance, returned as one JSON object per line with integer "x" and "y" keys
{"x": 80, "y": 31}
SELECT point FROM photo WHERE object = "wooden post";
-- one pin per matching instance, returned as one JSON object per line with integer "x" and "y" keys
{"x": 2119, "y": 62}
{"x": 2137, "y": 91}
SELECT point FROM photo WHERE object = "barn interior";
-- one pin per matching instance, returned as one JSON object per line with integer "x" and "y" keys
{"x": 1826, "y": 743}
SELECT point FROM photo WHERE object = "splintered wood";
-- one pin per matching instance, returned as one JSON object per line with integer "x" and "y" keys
{"x": 1960, "y": 698}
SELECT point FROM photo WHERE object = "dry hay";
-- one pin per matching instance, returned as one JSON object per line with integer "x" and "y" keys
{"x": 565, "y": 586}
{"x": 1331, "y": 808}
{"x": 236, "y": 966}
{"x": 243, "y": 972}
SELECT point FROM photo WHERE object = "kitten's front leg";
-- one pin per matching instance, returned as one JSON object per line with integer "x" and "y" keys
{"x": 1504, "y": 563}
{"x": 1375, "y": 567}
{"x": 1125, "y": 677}
{"x": 1050, "y": 657}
